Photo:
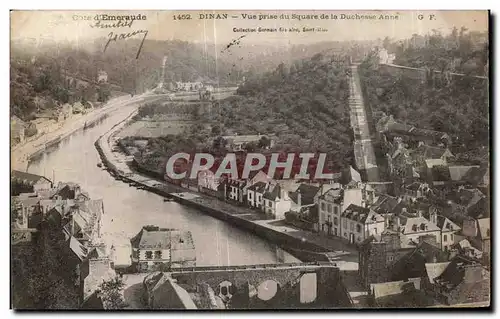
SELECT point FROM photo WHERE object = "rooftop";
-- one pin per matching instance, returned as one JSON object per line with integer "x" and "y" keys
{"x": 27, "y": 177}
{"x": 361, "y": 214}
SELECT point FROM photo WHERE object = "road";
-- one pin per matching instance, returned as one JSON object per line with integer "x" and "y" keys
{"x": 20, "y": 153}
{"x": 363, "y": 146}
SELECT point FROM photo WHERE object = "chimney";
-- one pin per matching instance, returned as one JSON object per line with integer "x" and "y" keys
{"x": 299, "y": 198}
{"x": 433, "y": 216}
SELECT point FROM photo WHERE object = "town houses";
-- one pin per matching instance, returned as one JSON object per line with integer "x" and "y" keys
{"x": 60, "y": 222}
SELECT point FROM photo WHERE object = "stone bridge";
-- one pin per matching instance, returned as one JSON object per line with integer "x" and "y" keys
{"x": 270, "y": 285}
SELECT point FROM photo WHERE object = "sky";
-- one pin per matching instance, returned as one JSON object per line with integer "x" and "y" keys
{"x": 69, "y": 25}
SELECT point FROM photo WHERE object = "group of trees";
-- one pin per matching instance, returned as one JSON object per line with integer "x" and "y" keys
{"x": 459, "y": 51}
{"x": 459, "y": 107}
{"x": 41, "y": 70}
{"x": 304, "y": 105}
{"x": 45, "y": 79}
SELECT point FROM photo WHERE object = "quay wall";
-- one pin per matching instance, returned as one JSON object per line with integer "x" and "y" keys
{"x": 302, "y": 249}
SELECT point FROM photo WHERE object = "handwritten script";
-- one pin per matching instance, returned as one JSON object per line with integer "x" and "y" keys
{"x": 115, "y": 36}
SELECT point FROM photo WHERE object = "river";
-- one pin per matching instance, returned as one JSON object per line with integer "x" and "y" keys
{"x": 127, "y": 209}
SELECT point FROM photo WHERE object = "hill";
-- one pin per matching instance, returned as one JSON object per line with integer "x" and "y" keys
{"x": 303, "y": 105}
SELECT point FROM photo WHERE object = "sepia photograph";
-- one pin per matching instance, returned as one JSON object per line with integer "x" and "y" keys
{"x": 249, "y": 160}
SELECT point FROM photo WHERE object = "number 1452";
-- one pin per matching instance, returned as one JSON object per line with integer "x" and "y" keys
{"x": 182, "y": 17}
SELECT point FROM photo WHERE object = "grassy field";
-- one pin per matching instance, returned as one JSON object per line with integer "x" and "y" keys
{"x": 155, "y": 128}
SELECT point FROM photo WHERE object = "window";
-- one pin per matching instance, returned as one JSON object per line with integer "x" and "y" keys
{"x": 149, "y": 254}
{"x": 158, "y": 254}
{"x": 336, "y": 210}
{"x": 358, "y": 228}
{"x": 335, "y": 221}
{"x": 375, "y": 230}
{"x": 445, "y": 238}
{"x": 345, "y": 223}
{"x": 329, "y": 207}
{"x": 323, "y": 206}
{"x": 451, "y": 237}
{"x": 269, "y": 203}
{"x": 391, "y": 258}
{"x": 329, "y": 218}
{"x": 135, "y": 254}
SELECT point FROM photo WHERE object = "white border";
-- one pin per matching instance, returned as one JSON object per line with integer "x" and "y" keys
{"x": 198, "y": 4}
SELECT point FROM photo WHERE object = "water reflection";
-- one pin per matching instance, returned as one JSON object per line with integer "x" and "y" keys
{"x": 127, "y": 209}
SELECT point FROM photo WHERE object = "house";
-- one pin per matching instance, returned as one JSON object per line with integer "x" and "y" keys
{"x": 28, "y": 183}
{"x": 399, "y": 294}
{"x": 358, "y": 223}
{"x": 399, "y": 162}
{"x": 17, "y": 129}
{"x": 478, "y": 233}
{"x": 85, "y": 220}
{"x": 477, "y": 176}
{"x": 384, "y": 260}
{"x": 66, "y": 110}
{"x": 335, "y": 200}
{"x": 412, "y": 226}
{"x": 236, "y": 190}
{"x": 448, "y": 230}
{"x": 416, "y": 190}
{"x": 155, "y": 248}
{"x": 238, "y": 142}
{"x": 276, "y": 201}
{"x": 69, "y": 191}
{"x": 162, "y": 292}
{"x": 386, "y": 204}
{"x": 304, "y": 197}
{"x": 95, "y": 269}
{"x": 251, "y": 193}
{"x": 375, "y": 257}
{"x": 330, "y": 207}
{"x": 208, "y": 181}
{"x": 43, "y": 124}
{"x": 350, "y": 175}
{"x": 470, "y": 202}
{"x": 389, "y": 128}
{"x": 386, "y": 57}
{"x": 255, "y": 194}
{"x": 458, "y": 172}
{"x": 259, "y": 176}
{"x": 102, "y": 76}
{"x": 464, "y": 247}
{"x": 188, "y": 86}
{"x": 425, "y": 152}
{"x": 462, "y": 282}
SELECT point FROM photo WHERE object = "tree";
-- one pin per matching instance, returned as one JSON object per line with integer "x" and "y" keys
{"x": 264, "y": 142}
{"x": 216, "y": 130}
{"x": 111, "y": 292}
{"x": 387, "y": 43}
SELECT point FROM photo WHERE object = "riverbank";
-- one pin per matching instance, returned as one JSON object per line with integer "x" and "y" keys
{"x": 304, "y": 245}
{"x": 21, "y": 154}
